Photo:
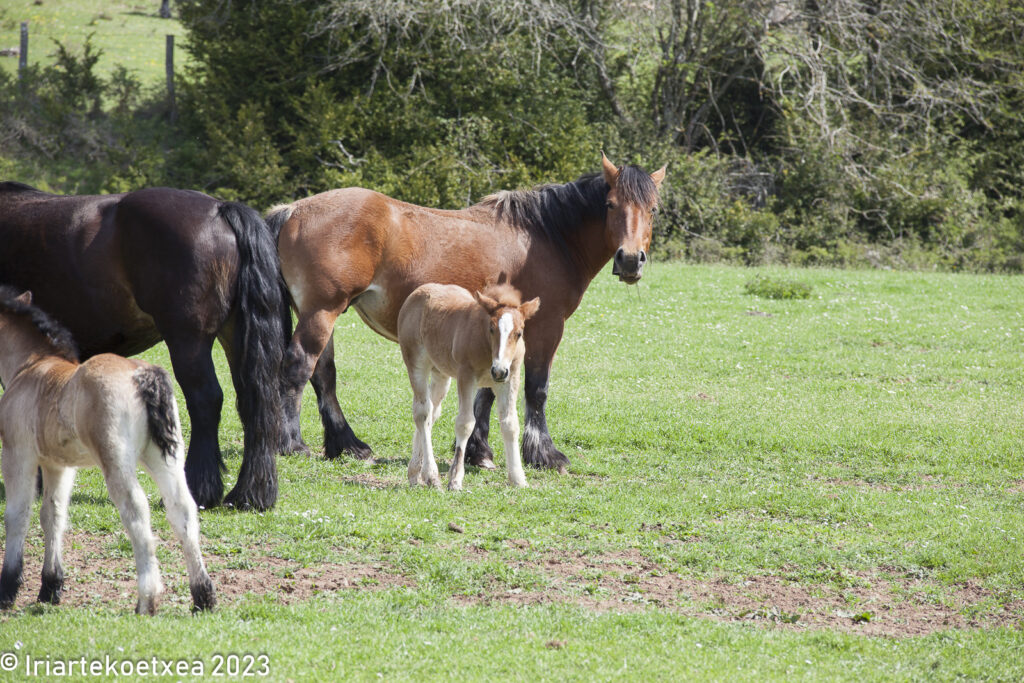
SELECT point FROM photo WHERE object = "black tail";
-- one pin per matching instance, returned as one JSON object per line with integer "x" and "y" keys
{"x": 157, "y": 392}
{"x": 258, "y": 349}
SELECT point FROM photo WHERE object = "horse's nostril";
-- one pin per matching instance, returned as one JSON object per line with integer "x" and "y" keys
{"x": 643, "y": 256}
{"x": 618, "y": 255}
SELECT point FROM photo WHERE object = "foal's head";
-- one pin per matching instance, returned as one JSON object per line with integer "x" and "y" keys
{"x": 631, "y": 203}
{"x": 508, "y": 316}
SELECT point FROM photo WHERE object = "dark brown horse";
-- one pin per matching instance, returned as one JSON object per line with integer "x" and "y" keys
{"x": 358, "y": 248}
{"x": 124, "y": 271}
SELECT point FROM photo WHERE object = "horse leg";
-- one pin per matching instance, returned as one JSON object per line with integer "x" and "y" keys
{"x": 169, "y": 476}
{"x": 291, "y": 423}
{"x": 313, "y": 331}
{"x": 338, "y": 435}
{"x": 538, "y": 449}
{"x": 510, "y": 430}
{"x": 463, "y": 430}
{"x": 439, "y": 385}
{"x": 53, "y": 515}
{"x": 422, "y": 466}
{"x": 258, "y": 409}
{"x": 19, "y": 479}
{"x": 193, "y": 368}
{"x": 478, "y": 453}
{"x": 131, "y": 502}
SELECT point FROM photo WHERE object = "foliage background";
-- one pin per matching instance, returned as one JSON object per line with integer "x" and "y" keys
{"x": 847, "y": 132}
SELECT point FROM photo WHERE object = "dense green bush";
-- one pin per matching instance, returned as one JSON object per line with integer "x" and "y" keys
{"x": 920, "y": 166}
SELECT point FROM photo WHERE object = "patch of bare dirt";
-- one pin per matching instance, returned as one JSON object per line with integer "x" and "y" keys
{"x": 95, "y": 575}
{"x": 371, "y": 481}
{"x": 878, "y": 605}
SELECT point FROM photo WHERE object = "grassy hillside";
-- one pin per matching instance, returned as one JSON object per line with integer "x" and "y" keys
{"x": 820, "y": 489}
{"x": 129, "y": 33}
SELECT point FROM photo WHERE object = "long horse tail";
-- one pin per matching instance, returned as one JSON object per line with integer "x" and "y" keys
{"x": 157, "y": 393}
{"x": 258, "y": 350}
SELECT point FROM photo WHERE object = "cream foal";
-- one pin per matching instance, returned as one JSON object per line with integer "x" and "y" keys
{"x": 59, "y": 414}
{"x": 446, "y": 332}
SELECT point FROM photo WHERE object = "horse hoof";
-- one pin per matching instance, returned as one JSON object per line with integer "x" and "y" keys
{"x": 484, "y": 462}
{"x": 250, "y": 500}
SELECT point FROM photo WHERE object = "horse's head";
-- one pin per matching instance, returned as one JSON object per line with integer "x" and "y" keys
{"x": 507, "y": 318}
{"x": 631, "y": 203}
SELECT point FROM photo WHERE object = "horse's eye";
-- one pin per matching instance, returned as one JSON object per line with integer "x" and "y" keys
{"x": 654, "y": 210}
{"x": 610, "y": 205}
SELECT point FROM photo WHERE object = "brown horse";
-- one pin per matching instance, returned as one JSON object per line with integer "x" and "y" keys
{"x": 124, "y": 271}
{"x": 446, "y": 332}
{"x": 358, "y": 248}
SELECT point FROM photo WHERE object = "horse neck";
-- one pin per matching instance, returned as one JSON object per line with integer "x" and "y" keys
{"x": 20, "y": 348}
{"x": 591, "y": 249}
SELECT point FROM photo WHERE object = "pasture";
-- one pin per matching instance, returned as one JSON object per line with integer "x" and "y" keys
{"x": 130, "y": 34}
{"x": 820, "y": 489}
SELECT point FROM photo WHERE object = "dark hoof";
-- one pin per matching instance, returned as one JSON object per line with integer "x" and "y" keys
{"x": 345, "y": 441}
{"x": 206, "y": 491}
{"x": 485, "y": 463}
{"x": 10, "y": 582}
{"x": 248, "y": 498}
{"x": 204, "y": 598}
{"x": 478, "y": 453}
{"x": 295, "y": 448}
{"x": 542, "y": 454}
{"x": 52, "y": 589}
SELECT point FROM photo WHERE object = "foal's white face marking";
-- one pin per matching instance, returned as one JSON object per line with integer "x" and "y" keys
{"x": 502, "y": 361}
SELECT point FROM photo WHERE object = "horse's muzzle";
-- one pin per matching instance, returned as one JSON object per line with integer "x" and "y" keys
{"x": 629, "y": 267}
{"x": 498, "y": 373}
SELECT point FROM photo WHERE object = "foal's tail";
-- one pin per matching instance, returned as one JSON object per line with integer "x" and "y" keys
{"x": 157, "y": 392}
{"x": 258, "y": 349}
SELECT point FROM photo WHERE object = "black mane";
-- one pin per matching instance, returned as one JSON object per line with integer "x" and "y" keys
{"x": 14, "y": 186}
{"x": 63, "y": 343}
{"x": 555, "y": 211}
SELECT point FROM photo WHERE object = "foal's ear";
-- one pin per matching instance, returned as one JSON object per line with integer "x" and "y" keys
{"x": 659, "y": 176}
{"x": 611, "y": 173}
{"x": 485, "y": 301}
{"x": 25, "y": 298}
{"x": 529, "y": 309}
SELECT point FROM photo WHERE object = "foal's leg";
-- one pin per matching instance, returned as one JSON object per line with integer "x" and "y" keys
{"x": 510, "y": 429}
{"x": 422, "y": 466}
{"x": 19, "y": 481}
{"x": 124, "y": 490}
{"x": 439, "y": 385}
{"x": 194, "y": 370}
{"x": 53, "y": 516}
{"x": 463, "y": 430}
{"x": 338, "y": 435}
{"x": 184, "y": 518}
{"x": 478, "y": 452}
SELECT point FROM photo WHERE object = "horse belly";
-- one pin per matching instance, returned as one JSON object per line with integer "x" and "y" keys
{"x": 373, "y": 306}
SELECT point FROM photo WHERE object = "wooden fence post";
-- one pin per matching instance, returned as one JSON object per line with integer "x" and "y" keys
{"x": 170, "y": 77}
{"x": 23, "y": 53}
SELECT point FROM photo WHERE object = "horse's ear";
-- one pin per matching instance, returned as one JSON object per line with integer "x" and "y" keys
{"x": 25, "y": 298}
{"x": 659, "y": 176}
{"x": 611, "y": 173}
{"x": 529, "y": 309}
{"x": 485, "y": 301}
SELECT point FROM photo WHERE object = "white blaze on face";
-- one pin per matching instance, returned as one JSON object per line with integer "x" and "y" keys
{"x": 504, "y": 330}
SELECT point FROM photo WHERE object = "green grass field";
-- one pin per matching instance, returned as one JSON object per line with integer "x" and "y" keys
{"x": 819, "y": 489}
{"x": 129, "y": 33}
